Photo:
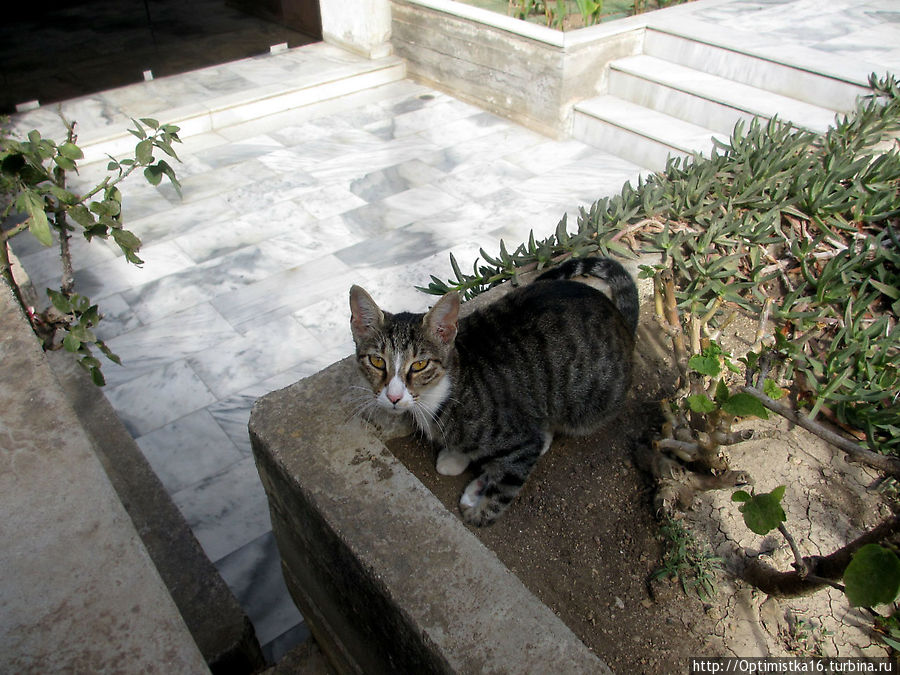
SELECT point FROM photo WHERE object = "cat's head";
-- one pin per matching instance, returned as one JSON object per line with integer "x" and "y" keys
{"x": 405, "y": 357}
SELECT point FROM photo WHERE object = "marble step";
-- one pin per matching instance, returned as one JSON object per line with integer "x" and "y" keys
{"x": 215, "y": 98}
{"x": 639, "y": 134}
{"x": 789, "y": 71}
{"x": 704, "y": 99}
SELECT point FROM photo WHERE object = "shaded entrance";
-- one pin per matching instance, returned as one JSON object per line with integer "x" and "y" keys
{"x": 61, "y": 49}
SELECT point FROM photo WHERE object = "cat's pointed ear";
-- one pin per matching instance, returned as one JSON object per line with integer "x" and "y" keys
{"x": 365, "y": 316}
{"x": 442, "y": 320}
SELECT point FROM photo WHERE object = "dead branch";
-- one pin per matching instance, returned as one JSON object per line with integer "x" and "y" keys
{"x": 820, "y": 570}
{"x": 875, "y": 460}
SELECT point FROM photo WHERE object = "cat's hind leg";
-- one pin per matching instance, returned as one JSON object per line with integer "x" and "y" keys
{"x": 489, "y": 495}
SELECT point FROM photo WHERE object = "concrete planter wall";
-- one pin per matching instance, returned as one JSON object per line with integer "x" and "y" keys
{"x": 528, "y": 73}
{"x": 388, "y": 580}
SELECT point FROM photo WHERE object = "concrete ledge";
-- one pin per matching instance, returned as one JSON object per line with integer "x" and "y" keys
{"x": 388, "y": 580}
{"x": 214, "y": 617}
{"x": 80, "y": 592}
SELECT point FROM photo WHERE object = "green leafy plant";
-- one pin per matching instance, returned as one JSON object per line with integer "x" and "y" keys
{"x": 686, "y": 560}
{"x": 797, "y": 229}
{"x": 762, "y": 512}
{"x": 869, "y": 567}
{"x": 35, "y": 197}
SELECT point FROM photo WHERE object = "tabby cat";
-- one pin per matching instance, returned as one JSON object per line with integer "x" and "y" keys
{"x": 492, "y": 388}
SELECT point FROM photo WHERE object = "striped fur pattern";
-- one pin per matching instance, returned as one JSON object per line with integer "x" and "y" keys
{"x": 492, "y": 389}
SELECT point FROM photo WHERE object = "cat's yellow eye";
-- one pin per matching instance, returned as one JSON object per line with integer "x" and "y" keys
{"x": 419, "y": 366}
{"x": 376, "y": 361}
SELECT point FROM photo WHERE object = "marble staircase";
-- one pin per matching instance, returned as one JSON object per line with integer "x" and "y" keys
{"x": 686, "y": 89}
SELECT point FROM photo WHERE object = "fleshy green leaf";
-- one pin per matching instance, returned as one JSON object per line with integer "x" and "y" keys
{"x": 39, "y": 225}
{"x": 700, "y": 403}
{"x": 71, "y": 343}
{"x": 772, "y": 390}
{"x": 763, "y": 513}
{"x": 143, "y": 151}
{"x": 744, "y": 405}
{"x": 60, "y": 301}
{"x": 722, "y": 393}
{"x": 872, "y": 577}
{"x": 70, "y": 151}
{"x": 705, "y": 364}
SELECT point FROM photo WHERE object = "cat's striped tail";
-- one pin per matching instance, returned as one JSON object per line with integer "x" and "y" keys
{"x": 624, "y": 290}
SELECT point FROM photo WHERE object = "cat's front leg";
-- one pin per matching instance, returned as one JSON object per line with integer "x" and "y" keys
{"x": 488, "y": 496}
{"x": 451, "y": 462}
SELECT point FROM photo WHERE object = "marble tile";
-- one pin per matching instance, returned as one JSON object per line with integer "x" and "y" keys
{"x": 378, "y": 185}
{"x": 397, "y": 247}
{"x": 430, "y": 114}
{"x": 211, "y": 183}
{"x": 168, "y": 340}
{"x": 400, "y": 209}
{"x": 226, "y": 510}
{"x": 181, "y": 219}
{"x": 253, "y": 572}
{"x": 284, "y": 292}
{"x": 581, "y": 182}
{"x": 500, "y": 141}
{"x": 232, "y": 414}
{"x": 117, "y": 275}
{"x": 323, "y": 201}
{"x": 299, "y": 246}
{"x": 221, "y": 237}
{"x": 43, "y": 263}
{"x": 238, "y": 152}
{"x": 264, "y": 350}
{"x": 380, "y": 155}
{"x": 548, "y": 155}
{"x": 117, "y": 317}
{"x": 482, "y": 179}
{"x": 465, "y": 129}
{"x": 145, "y": 402}
{"x": 188, "y": 450}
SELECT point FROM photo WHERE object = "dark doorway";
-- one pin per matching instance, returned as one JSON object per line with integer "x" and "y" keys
{"x": 59, "y": 49}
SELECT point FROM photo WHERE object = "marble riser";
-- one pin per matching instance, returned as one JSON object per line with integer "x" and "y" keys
{"x": 707, "y": 100}
{"x": 638, "y": 134}
{"x": 787, "y": 80}
{"x": 218, "y": 115}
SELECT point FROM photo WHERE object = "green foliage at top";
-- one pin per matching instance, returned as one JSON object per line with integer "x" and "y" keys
{"x": 809, "y": 221}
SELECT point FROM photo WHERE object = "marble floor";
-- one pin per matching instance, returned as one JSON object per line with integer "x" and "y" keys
{"x": 246, "y": 274}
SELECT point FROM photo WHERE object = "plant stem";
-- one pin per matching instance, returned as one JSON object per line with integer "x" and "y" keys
{"x": 821, "y": 570}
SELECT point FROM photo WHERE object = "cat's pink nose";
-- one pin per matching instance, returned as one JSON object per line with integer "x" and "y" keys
{"x": 394, "y": 398}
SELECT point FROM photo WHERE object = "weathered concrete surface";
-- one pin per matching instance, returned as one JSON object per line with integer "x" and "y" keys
{"x": 528, "y": 73}
{"x": 78, "y": 591}
{"x": 388, "y": 580}
{"x": 217, "y": 622}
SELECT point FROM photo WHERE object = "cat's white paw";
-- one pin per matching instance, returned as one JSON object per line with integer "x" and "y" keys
{"x": 450, "y": 463}
{"x": 472, "y": 495}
